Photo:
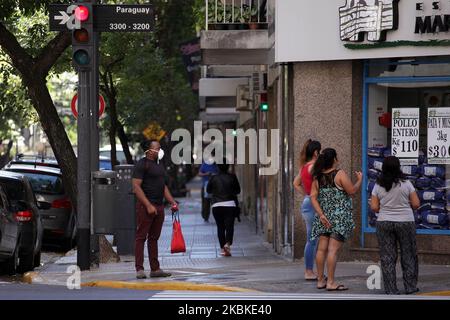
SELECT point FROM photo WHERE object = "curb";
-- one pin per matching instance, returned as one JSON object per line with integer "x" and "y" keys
{"x": 435, "y": 293}
{"x": 161, "y": 286}
{"x": 34, "y": 277}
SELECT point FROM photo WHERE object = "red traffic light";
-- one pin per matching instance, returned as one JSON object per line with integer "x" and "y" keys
{"x": 82, "y": 13}
{"x": 81, "y": 35}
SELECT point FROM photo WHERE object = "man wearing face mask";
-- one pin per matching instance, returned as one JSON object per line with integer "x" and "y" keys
{"x": 150, "y": 189}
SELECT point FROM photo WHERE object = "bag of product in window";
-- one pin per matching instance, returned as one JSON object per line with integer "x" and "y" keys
{"x": 409, "y": 170}
{"x": 412, "y": 179}
{"x": 375, "y": 163}
{"x": 376, "y": 152}
{"x": 417, "y": 217}
{"x": 436, "y": 205}
{"x": 425, "y": 225}
{"x": 387, "y": 152}
{"x": 437, "y": 183}
{"x": 430, "y": 195}
{"x": 373, "y": 174}
{"x": 432, "y": 170}
{"x": 435, "y": 217}
{"x": 423, "y": 183}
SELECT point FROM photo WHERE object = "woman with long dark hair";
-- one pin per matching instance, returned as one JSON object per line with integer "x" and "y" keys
{"x": 302, "y": 184}
{"x": 224, "y": 188}
{"x": 333, "y": 224}
{"x": 394, "y": 198}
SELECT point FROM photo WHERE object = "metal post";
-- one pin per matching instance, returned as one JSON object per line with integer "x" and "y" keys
{"x": 94, "y": 139}
{"x": 83, "y": 172}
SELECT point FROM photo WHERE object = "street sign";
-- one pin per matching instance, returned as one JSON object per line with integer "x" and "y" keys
{"x": 108, "y": 18}
{"x": 101, "y": 109}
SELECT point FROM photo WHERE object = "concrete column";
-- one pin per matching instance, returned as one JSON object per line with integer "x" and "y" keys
{"x": 327, "y": 98}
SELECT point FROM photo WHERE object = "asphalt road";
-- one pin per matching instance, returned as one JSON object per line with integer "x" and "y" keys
{"x": 23, "y": 291}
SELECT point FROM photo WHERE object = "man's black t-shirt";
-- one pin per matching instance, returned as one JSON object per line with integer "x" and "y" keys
{"x": 153, "y": 177}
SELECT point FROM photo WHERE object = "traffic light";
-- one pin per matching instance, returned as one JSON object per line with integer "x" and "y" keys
{"x": 263, "y": 104}
{"x": 82, "y": 37}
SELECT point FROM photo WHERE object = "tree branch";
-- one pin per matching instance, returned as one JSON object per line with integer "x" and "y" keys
{"x": 21, "y": 60}
{"x": 52, "y": 51}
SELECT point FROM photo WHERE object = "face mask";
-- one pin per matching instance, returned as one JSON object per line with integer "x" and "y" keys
{"x": 160, "y": 154}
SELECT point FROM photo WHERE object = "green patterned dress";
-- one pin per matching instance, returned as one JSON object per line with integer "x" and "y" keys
{"x": 336, "y": 204}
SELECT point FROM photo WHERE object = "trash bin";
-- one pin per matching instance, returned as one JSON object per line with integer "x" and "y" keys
{"x": 126, "y": 212}
{"x": 104, "y": 194}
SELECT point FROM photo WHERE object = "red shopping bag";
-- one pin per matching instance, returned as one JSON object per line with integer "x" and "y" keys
{"x": 177, "y": 244}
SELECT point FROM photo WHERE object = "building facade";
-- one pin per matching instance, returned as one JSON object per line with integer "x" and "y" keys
{"x": 368, "y": 78}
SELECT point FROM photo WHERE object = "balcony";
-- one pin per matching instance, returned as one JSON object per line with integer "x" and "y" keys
{"x": 236, "y": 32}
{"x": 236, "y": 14}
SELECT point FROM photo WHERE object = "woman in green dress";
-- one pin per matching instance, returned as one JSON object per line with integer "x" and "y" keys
{"x": 333, "y": 224}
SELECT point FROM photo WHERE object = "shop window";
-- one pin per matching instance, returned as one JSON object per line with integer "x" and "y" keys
{"x": 417, "y": 93}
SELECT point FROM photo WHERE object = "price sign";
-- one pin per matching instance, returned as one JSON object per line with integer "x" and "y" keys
{"x": 438, "y": 135}
{"x": 405, "y": 135}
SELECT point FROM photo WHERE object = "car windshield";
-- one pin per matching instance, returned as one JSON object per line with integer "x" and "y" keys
{"x": 45, "y": 183}
{"x": 13, "y": 189}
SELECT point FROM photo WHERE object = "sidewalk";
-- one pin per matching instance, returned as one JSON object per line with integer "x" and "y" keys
{"x": 253, "y": 265}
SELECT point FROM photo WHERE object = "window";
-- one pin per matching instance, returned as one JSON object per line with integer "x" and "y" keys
{"x": 45, "y": 183}
{"x": 417, "y": 94}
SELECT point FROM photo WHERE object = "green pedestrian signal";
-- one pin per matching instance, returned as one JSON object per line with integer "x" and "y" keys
{"x": 264, "y": 106}
{"x": 263, "y": 102}
{"x": 81, "y": 57}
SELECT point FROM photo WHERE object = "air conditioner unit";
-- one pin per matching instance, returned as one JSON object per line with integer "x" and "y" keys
{"x": 258, "y": 82}
{"x": 244, "y": 98}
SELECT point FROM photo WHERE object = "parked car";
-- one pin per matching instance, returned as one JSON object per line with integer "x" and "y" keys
{"x": 45, "y": 177}
{"x": 21, "y": 228}
{"x": 105, "y": 163}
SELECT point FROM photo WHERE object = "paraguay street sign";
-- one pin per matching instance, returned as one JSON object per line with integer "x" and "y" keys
{"x": 107, "y": 18}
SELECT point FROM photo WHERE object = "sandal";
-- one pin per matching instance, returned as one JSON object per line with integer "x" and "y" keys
{"x": 340, "y": 287}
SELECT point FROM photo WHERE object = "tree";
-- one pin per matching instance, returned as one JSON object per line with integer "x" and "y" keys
{"x": 33, "y": 51}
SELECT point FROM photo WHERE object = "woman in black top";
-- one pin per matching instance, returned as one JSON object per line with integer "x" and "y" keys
{"x": 224, "y": 188}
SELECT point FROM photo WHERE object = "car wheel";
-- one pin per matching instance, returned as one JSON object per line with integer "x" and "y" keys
{"x": 12, "y": 263}
{"x": 37, "y": 259}
{"x": 26, "y": 262}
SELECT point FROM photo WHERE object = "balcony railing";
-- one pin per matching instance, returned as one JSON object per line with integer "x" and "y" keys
{"x": 236, "y": 14}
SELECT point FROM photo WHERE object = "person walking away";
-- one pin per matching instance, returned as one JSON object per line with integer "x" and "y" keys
{"x": 394, "y": 198}
{"x": 150, "y": 188}
{"x": 302, "y": 184}
{"x": 224, "y": 188}
{"x": 333, "y": 224}
{"x": 207, "y": 169}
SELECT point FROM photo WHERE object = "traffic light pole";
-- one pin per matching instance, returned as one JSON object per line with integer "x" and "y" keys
{"x": 88, "y": 154}
{"x": 83, "y": 172}
{"x": 94, "y": 139}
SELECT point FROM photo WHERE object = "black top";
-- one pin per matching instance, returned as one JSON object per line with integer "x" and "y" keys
{"x": 223, "y": 187}
{"x": 153, "y": 177}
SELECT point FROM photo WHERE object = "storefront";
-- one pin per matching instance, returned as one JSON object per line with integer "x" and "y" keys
{"x": 372, "y": 78}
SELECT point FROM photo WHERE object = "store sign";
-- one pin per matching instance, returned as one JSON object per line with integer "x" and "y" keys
{"x": 432, "y": 23}
{"x": 360, "y": 29}
{"x": 405, "y": 135}
{"x": 438, "y": 135}
{"x": 359, "y": 17}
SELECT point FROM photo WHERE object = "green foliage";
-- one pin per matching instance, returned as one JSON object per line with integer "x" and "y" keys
{"x": 147, "y": 68}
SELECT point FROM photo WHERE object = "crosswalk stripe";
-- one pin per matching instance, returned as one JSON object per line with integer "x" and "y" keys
{"x": 170, "y": 295}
